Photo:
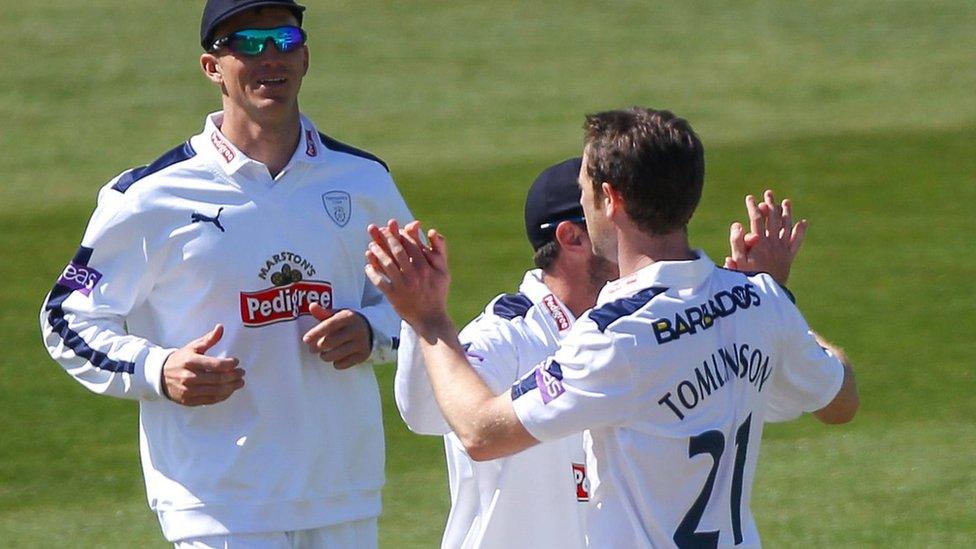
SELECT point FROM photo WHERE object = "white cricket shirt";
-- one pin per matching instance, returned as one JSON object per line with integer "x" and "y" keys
{"x": 532, "y": 499}
{"x": 674, "y": 373}
{"x": 203, "y": 236}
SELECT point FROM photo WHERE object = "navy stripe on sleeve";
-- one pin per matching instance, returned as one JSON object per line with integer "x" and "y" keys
{"x": 607, "y": 314}
{"x": 524, "y": 385}
{"x": 178, "y": 154}
{"x": 339, "y": 146}
{"x": 72, "y": 339}
{"x": 511, "y": 306}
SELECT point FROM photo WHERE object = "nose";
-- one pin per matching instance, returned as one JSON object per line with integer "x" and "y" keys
{"x": 270, "y": 52}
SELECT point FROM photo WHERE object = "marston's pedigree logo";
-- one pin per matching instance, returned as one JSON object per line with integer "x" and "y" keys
{"x": 557, "y": 312}
{"x": 310, "y": 148}
{"x": 222, "y": 147}
{"x": 290, "y": 295}
{"x": 582, "y": 483}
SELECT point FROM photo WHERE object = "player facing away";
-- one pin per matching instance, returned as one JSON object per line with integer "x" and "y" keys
{"x": 674, "y": 372}
{"x": 235, "y": 252}
{"x": 490, "y": 500}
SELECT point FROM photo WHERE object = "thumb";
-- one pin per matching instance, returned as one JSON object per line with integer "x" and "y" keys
{"x": 208, "y": 340}
{"x": 320, "y": 312}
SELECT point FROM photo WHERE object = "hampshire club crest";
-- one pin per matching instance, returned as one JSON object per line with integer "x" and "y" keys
{"x": 338, "y": 205}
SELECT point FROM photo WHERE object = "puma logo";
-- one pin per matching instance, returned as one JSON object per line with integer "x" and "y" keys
{"x": 196, "y": 217}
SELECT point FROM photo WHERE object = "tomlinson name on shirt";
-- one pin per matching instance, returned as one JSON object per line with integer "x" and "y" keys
{"x": 736, "y": 363}
{"x": 283, "y": 303}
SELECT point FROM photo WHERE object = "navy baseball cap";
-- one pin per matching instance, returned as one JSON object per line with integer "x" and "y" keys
{"x": 218, "y": 11}
{"x": 553, "y": 197}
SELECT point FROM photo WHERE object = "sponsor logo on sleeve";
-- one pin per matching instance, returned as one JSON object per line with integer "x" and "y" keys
{"x": 582, "y": 482}
{"x": 549, "y": 380}
{"x": 338, "y": 205}
{"x": 290, "y": 295}
{"x": 556, "y": 311}
{"x": 79, "y": 278}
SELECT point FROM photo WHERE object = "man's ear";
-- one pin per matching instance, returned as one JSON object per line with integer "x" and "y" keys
{"x": 570, "y": 235}
{"x": 612, "y": 200}
{"x": 211, "y": 68}
{"x": 305, "y": 69}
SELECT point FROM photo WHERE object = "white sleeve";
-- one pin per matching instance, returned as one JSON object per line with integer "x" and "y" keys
{"x": 83, "y": 317}
{"x": 384, "y": 323}
{"x": 412, "y": 390}
{"x": 587, "y": 383}
{"x": 491, "y": 346}
{"x": 809, "y": 377}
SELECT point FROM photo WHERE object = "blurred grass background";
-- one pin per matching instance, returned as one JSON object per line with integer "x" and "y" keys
{"x": 863, "y": 112}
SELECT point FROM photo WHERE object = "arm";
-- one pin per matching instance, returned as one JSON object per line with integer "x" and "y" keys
{"x": 349, "y": 337}
{"x": 416, "y": 282}
{"x": 845, "y": 404}
{"x": 82, "y": 320}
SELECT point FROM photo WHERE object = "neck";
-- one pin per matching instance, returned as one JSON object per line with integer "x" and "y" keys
{"x": 271, "y": 142}
{"x": 636, "y": 249}
{"x": 573, "y": 289}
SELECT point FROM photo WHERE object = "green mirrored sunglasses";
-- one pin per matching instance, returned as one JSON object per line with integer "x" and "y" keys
{"x": 253, "y": 41}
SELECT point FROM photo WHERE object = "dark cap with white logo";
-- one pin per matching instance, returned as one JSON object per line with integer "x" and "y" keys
{"x": 554, "y": 197}
{"x": 218, "y": 11}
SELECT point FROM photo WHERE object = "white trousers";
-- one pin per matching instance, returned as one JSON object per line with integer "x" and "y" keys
{"x": 356, "y": 534}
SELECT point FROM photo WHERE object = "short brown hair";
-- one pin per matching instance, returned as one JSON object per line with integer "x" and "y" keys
{"x": 546, "y": 255}
{"x": 653, "y": 159}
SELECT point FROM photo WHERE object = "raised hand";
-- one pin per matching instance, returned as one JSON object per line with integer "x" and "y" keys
{"x": 773, "y": 240}
{"x": 341, "y": 337}
{"x": 192, "y": 378}
{"x": 414, "y": 277}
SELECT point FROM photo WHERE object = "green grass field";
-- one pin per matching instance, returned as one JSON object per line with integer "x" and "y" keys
{"x": 864, "y": 112}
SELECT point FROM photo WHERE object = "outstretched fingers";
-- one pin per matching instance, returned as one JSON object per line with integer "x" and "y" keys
{"x": 737, "y": 245}
{"x": 381, "y": 261}
{"x": 438, "y": 250}
{"x": 756, "y": 223}
{"x": 774, "y": 219}
{"x": 797, "y": 236}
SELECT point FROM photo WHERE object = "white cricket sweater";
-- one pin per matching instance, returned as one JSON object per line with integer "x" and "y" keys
{"x": 536, "y": 498}
{"x": 203, "y": 236}
{"x": 674, "y": 374}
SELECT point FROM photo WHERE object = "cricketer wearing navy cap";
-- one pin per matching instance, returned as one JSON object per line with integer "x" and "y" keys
{"x": 553, "y": 197}
{"x": 490, "y": 501}
{"x": 678, "y": 359}
{"x": 236, "y": 252}
{"x": 515, "y": 332}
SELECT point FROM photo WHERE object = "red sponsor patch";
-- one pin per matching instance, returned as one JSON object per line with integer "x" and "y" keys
{"x": 310, "y": 148}
{"x": 557, "y": 312}
{"x": 582, "y": 483}
{"x": 222, "y": 147}
{"x": 283, "y": 303}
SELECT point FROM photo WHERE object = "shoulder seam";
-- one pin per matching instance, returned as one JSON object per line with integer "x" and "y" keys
{"x": 608, "y": 313}
{"x": 172, "y": 157}
{"x": 511, "y": 306}
{"x": 338, "y": 146}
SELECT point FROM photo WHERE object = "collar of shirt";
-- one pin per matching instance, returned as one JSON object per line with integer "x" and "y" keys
{"x": 232, "y": 161}
{"x": 536, "y": 290}
{"x": 667, "y": 274}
